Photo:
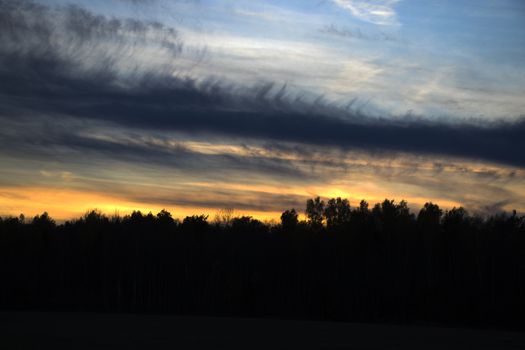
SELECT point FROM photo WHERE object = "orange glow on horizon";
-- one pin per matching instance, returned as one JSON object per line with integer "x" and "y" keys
{"x": 67, "y": 204}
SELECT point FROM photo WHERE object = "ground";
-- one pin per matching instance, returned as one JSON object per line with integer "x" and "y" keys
{"x": 46, "y": 330}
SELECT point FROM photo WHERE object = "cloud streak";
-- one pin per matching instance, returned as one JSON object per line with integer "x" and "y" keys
{"x": 379, "y": 12}
{"x": 356, "y": 34}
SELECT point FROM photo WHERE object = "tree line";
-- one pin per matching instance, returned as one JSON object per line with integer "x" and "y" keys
{"x": 342, "y": 263}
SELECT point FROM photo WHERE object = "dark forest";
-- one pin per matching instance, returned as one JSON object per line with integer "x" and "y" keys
{"x": 343, "y": 263}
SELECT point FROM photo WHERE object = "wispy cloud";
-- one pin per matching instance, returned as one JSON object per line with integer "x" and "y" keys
{"x": 356, "y": 33}
{"x": 380, "y": 12}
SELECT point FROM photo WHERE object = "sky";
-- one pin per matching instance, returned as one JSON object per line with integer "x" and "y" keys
{"x": 198, "y": 105}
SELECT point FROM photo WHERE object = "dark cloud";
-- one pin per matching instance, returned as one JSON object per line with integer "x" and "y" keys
{"x": 41, "y": 77}
{"x": 68, "y": 142}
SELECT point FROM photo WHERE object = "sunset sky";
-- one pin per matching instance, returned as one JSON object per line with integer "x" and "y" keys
{"x": 194, "y": 106}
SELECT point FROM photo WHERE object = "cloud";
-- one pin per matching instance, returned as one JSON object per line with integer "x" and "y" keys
{"x": 97, "y": 100}
{"x": 379, "y": 12}
{"x": 72, "y": 38}
{"x": 70, "y": 72}
{"x": 153, "y": 167}
{"x": 356, "y": 33}
{"x": 261, "y": 113}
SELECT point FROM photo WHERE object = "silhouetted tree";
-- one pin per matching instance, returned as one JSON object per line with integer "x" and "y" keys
{"x": 315, "y": 212}
{"x": 455, "y": 217}
{"x": 195, "y": 223}
{"x": 247, "y": 224}
{"x": 430, "y": 215}
{"x": 289, "y": 220}
{"x": 337, "y": 212}
{"x": 164, "y": 217}
{"x": 224, "y": 217}
{"x": 94, "y": 217}
{"x": 44, "y": 222}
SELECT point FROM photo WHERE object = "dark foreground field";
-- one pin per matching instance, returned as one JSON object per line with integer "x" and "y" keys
{"x": 44, "y": 330}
